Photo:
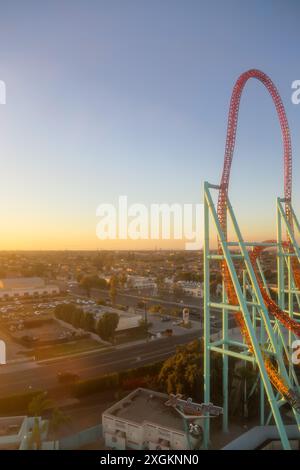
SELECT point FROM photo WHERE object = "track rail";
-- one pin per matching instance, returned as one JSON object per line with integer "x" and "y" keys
{"x": 231, "y": 137}
{"x": 277, "y": 381}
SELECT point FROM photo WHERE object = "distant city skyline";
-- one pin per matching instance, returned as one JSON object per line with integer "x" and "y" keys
{"x": 111, "y": 98}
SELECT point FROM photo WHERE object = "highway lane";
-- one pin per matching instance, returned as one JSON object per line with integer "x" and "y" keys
{"x": 44, "y": 375}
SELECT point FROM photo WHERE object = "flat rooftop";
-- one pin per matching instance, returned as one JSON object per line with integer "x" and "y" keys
{"x": 144, "y": 405}
{"x": 21, "y": 283}
{"x": 11, "y": 426}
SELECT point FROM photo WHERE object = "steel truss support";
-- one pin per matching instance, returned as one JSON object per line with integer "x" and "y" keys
{"x": 266, "y": 334}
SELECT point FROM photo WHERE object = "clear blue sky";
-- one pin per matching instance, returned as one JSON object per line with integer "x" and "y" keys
{"x": 131, "y": 97}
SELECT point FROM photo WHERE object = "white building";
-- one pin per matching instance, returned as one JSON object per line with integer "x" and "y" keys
{"x": 141, "y": 282}
{"x": 142, "y": 420}
{"x": 169, "y": 283}
{"x": 127, "y": 320}
{"x": 25, "y": 287}
{"x": 16, "y": 432}
{"x": 195, "y": 289}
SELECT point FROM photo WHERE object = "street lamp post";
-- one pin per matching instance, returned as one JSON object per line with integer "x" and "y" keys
{"x": 145, "y": 312}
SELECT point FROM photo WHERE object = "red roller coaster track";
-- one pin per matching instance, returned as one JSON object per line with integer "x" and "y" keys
{"x": 231, "y": 136}
{"x": 273, "y": 309}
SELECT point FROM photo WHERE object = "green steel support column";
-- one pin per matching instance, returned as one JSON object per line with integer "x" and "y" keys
{"x": 295, "y": 219}
{"x": 225, "y": 360}
{"x": 247, "y": 318}
{"x": 280, "y": 335}
{"x": 280, "y": 260}
{"x": 290, "y": 280}
{"x": 264, "y": 311}
{"x": 270, "y": 415}
{"x": 289, "y": 230}
{"x": 261, "y": 383}
{"x": 206, "y": 318}
{"x": 262, "y": 402}
{"x": 272, "y": 339}
{"x": 290, "y": 305}
{"x": 280, "y": 264}
{"x": 269, "y": 331}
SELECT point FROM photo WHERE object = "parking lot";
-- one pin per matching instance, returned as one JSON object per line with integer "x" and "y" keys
{"x": 30, "y": 329}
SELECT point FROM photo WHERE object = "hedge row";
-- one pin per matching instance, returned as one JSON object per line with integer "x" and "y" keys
{"x": 18, "y": 403}
{"x": 113, "y": 381}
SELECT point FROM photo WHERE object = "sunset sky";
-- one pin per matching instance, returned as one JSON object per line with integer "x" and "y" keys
{"x": 130, "y": 97}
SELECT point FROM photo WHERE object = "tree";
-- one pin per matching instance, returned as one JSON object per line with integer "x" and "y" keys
{"x": 93, "y": 282}
{"x": 156, "y": 308}
{"x": 58, "y": 419}
{"x": 77, "y": 315}
{"x": 176, "y": 312}
{"x": 183, "y": 373}
{"x": 189, "y": 276}
{"x": 89, "y": 322}
{"x": 35, "y": 408}
{"x": 69, "y": 313}
{"x": 83, "y": 320}
{"x": 107, "y": 325}
{"x": 38, "y": 404}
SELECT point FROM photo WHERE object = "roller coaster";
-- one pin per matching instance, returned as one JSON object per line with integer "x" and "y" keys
{"x": 266, "y": 328}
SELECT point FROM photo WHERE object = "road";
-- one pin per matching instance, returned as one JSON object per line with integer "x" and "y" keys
{"x": 43, "y": 376}
{"x": 131, "y": 299}
{"x": 194, "y": 304}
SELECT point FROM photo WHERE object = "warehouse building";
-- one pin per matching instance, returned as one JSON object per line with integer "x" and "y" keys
{"x": 25, "y": 287}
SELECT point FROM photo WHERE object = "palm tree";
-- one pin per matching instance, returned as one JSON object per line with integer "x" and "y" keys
{"x": 38, "y": 404}
{"x": 35, "y": 408}
{"x": 58, "y": 419}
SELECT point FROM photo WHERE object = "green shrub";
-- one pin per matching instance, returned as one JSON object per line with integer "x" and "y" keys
{"x": 98, "y": 384}
{"x": 113, "y": 381}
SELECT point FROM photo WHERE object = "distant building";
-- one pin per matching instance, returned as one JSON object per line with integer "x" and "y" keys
{"x": 169, "y": 284}
{"x": 127, "y": 320}
{"x": 141, "y": 282}
{"x": 142, "y": 420}
{"x": 25, "y": 287}
{"x": 194, "y": 289}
